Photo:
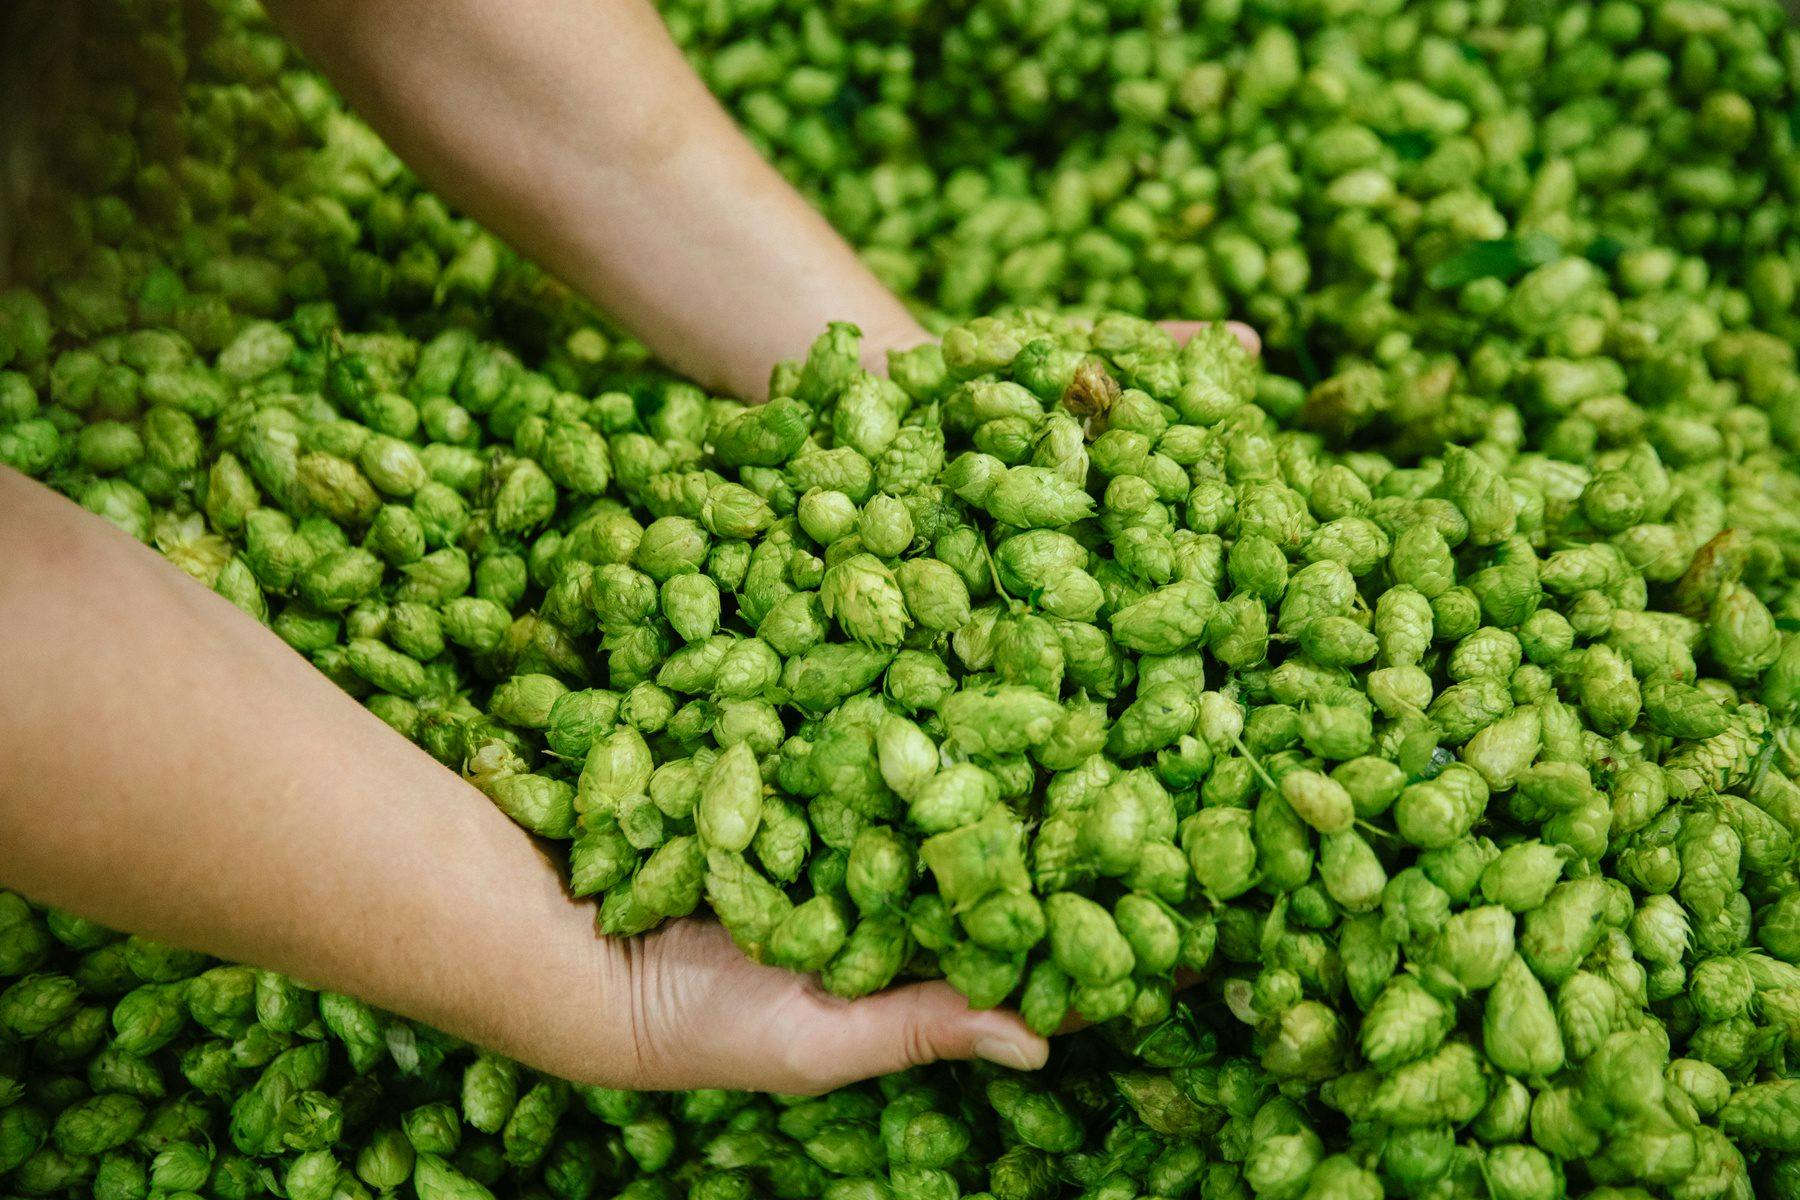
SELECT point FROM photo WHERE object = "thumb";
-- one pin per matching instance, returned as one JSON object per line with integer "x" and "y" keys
{"x": 910, "y": 1026}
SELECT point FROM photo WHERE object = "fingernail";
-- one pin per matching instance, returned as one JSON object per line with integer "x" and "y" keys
{"x": 1004, "y": 1053}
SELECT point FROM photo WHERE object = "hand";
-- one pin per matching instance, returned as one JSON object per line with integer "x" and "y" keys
{"x": 703, "y": 1015}
{"x": 1181, "y": 331}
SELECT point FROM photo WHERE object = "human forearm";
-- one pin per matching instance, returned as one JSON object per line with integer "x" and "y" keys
{"x": 576, "y": 130}
{"x": 169, "y": 767}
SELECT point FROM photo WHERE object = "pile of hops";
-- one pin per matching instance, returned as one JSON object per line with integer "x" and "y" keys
{"x": 1337, "y": 174}
{"x": 1389, "y": 752}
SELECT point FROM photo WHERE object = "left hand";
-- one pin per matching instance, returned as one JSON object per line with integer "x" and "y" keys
{"x": 703, "y": 1015}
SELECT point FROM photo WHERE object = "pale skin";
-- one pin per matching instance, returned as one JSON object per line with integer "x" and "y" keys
{"x": 169, "y": 766}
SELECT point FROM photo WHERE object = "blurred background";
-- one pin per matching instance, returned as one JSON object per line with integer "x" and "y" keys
{"x": 37, "y": 41}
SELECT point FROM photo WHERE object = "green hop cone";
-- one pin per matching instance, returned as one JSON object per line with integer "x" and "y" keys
{"x": 731, "y": 801}
{"x": 1085, "y": 942}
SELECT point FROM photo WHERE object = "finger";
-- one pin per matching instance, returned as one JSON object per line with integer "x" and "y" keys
{"x": 1183, "y": 331}
{"x": 712, "y": 1018}
{"x": 909, "y": 1026}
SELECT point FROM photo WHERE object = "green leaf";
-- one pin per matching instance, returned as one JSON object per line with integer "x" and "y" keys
{"x": 1503, "y": 258}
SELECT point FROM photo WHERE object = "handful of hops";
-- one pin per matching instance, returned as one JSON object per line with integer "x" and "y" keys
{"x": 934, "y": 702}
